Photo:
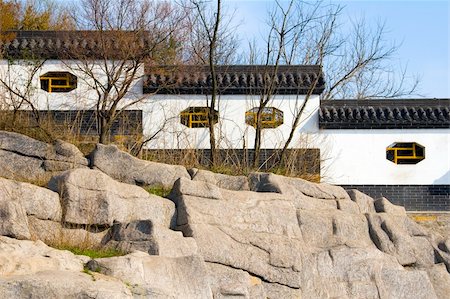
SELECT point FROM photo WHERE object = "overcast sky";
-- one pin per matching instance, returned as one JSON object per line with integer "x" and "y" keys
{"x": 422, "y": 28}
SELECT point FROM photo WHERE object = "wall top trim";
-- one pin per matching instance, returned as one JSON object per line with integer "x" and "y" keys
{"x": 385, "y": 114}
{"x": 236, "y": 79}
{"x": 78, "y": 45}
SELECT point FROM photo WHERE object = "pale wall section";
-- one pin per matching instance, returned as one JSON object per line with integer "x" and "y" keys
{"x": 358, "y": 157}
{"x": 83, "y": 97}
{"x": 231, "y": 129}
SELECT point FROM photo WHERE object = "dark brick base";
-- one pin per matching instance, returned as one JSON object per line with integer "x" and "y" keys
{"x": 412, "y": 197}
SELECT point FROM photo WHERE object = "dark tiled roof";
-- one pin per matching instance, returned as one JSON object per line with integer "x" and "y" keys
{"x": 234, "y": 79}
{"x": 384, "y": 114}
{"x": 71, "y": 44}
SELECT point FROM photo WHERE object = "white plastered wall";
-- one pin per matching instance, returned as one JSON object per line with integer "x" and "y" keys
{"x": 231, "y": 131}
{"x": 358, "y": 157}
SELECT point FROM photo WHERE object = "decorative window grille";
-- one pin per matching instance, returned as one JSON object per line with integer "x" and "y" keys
{"x": 405, "y": 153}
{"x": 197, "y": 117}
{"x": 58, "y": 82}
{"x": 270, "y": 117}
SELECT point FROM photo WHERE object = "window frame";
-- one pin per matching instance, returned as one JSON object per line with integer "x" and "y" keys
{"x": 71, "y": 81}
{"x": 394, "y": 151}
{"x": 274, "y": 122}
{"x": 199, "y": 118}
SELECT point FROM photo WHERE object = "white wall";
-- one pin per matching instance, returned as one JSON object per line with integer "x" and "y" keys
{"x": 348, "y": 156}
{"x": 231, "y": 129}
{"x": 83, "y": 97}
{"x": 359, "y": 157}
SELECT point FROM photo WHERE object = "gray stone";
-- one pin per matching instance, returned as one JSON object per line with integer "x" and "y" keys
{"x": 128, "y": 169}
{"x": 223, "y": 181}
{"x": 37, "y": 201}
{"x": 440, "y": 279}
{"x": 144, "y": 236}
{"x": 364, "y": 202}
{"x": 63, "y": 284}
{"x": 56, "y": 234}
{"x": 29, "y": 257}
{"x": 91, "y": 197}
{"x": 13, "y": 220}
{"x": 268, "y": 182}
{"x": 383, "y": 205}
{"x": 182, "y": 277}
{"x": 227, "y": 282}
{"x": 333, "y": 228}
{"x": 405, "y": 284}
{"x": 390, "y": 234}
{"x": 27, "y": 159}
{"x": 274, "y": 290}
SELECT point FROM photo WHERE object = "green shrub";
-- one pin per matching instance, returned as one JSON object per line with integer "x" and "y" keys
{"x": 92, "y": 252}
{"x": 158, "y": 190}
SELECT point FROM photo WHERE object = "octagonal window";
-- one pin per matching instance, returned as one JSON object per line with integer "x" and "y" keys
{"x": 270, "y": 117}
{"x": 405, "y": 153}
{"x": 197, "y": 117}
{"x": 58, "y": 82}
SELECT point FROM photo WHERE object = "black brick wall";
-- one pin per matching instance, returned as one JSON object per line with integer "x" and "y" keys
{"x": 412, "y": 197}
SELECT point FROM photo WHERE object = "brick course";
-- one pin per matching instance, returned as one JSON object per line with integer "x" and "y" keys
{"x": 412, "y": 197}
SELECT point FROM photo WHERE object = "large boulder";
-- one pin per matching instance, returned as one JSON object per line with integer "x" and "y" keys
{"x": 301, "y": 250}
{"x": 227, "y": 282}
{"x": 157, "y": 276}
{"x": 156, "y": 240}
{"x": 90, "y": 197}
{"x": 63, "y": 284}
{"x": 128, "y": 169}
{"x": 269, "y": 182}
{"x": 37, "y": 201}
{"x": 26, "y": 159}
{"x": 33, "y": 270}
{"x": 13, "y": 220}
{"x": 58, "y": 234}
{"x": 29, "y": 257}
{"x": 230, "y": 182}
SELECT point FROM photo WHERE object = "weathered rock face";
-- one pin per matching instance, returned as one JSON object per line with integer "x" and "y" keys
{"x": 26, "y": 159}
{"x": 230, "y": 182}
{"x": 156, "y": 276}
{"x": 39, "y": 202}
{"x": 128, "y": 169}
{"x": 91, "y": 197}
{"x": 33, "y": 270}
{"x": 286, "y": 238}
{"x": 307, "y": 241}
{"x": 156, "y": 240}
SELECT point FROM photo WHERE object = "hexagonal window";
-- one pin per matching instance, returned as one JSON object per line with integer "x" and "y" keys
{"x": 405, "y": 153}
{"x": 270, "y": 117}
{"x": 197, "y": 117}
{"x": 58, "y": 82}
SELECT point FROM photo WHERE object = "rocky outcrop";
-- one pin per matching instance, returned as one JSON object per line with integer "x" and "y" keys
{"x": 25, "y": 159}
{"x": 218, "y": 236}
{"x": 37, "y": 201}
{"x": 324, "y": 248}
{"x": 156, "y": 276}
{"x": 33, "y": 270}
{"x": 230, "y": 182}
{"x": 90, "y": 197}
{"x": 145, "y": 236}
{"x": 128, "y": 169}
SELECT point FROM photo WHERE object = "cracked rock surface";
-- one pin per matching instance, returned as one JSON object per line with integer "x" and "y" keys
{"x": 215, "y": 236}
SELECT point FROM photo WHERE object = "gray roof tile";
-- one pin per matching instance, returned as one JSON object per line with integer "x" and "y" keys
{"x": 384, "y": 114}
{"x": 234, "y": 79}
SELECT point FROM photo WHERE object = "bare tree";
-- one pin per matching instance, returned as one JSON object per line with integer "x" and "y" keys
{"x": 357, "y": 64}
{"x": 128, "y": 34}
{"x": 212, "y": 42}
